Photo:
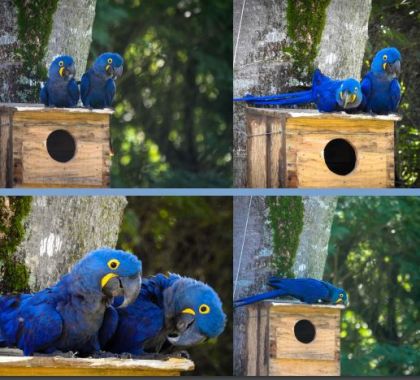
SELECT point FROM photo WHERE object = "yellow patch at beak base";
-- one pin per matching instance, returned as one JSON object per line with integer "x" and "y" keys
{"x": 188, "y": 311}
{"x": 339, "y": 300}
{"x": 106, "y": 278}
{"x": 384, "y": 66}
{"x": 61, "y": 71}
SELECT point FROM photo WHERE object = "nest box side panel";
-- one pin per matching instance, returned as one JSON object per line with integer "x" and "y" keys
{"x": 264, "y": 149}
{"x": 371, "y": 141}
{"x": 5, "y": 149}
{"x": 290, "y": 367}
{"x": 257, "y": 340}
{"x": 41, "y": 138}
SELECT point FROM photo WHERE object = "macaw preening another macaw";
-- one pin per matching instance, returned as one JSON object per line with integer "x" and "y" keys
{"x": 380, "y": 86}
{"x": 328, "y": 94}
{"x": 60, "y": 89}
{"x": 97, "y": 86}
{"x": 68, "y": 316}
{"x": 306, "y": 290}
{"x": 170, "y": 312}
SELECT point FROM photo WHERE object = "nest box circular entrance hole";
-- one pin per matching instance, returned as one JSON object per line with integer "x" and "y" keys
{"x": 304, "y": 331}
{"x": 340, "y": 156}
{"x": 61, "y": 145}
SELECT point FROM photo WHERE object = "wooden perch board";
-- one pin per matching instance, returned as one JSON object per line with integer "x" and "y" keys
{"x": 288, "y": 148}
{"x": 34, "y": 137}
{"x": 12, "y": 363}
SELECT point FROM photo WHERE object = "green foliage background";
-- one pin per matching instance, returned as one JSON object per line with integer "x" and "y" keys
{"x": 397, "y": 23}
{"x": 191, "y": 236}
{"x": 374, "y": 254}
{"x": 172, "y": 125}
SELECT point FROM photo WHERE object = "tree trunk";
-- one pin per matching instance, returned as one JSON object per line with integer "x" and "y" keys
{"x": 60, "y": 230}
{"x": 263, "y": 62}
{"x": 31, "y": 34}
{"x": 254, "y": 253}
{"x": 312, "y": 251}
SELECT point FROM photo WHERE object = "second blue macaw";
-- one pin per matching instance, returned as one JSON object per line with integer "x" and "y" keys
{"x": 97, "y": 86}
{"x": 170, "y": 312}
{"x": 68, "y": 316}
{"x": 380, "y": 86}
{"x": 60, "y": 89}
{"x": 307, "y": 290}
{"x": 328, "y": 94}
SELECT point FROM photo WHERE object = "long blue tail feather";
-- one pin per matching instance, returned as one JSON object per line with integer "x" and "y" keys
{"x": 258, "y": 297}
{"x": 287, "y": 95}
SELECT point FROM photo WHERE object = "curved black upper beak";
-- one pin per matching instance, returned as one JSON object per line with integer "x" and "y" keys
{"x": 187, "y": 332}
{"x": 129, "y": 287}
{"x": 393, "y": 68}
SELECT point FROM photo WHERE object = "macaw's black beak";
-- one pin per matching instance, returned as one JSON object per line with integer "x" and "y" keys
{"x": 129, "y": 287}
{"x": 117, "y": 72}
{"x": 114, "y": 72}
{"x": 393, "y": 68}
{"x": 67, "y": 71}
{"x": 186, "y": 333}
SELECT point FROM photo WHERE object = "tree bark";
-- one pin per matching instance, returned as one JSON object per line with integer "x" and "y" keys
{"x": 61, "y": 230}
{"x": 261, "y": 65}
{"x": 312, "y": 251}
{"x": 253, "y": 255}
{"x": 252, "y": 252}
{"x": 70, "y": 34}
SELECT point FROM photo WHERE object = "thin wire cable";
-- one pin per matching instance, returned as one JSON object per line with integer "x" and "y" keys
{"x": 242, "y": 248}
{"x": 239, "y": 32}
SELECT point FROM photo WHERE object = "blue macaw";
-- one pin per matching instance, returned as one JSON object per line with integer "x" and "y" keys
{"x": 328, "y": 94}
{"x": 68, "y": 316}
{"x": 97, "y": 85}
{"x": 60, "y": 89}
{"x": 380, "y": 86}
{"x": 307, "y": 290}
{"x": 170, "y": 311}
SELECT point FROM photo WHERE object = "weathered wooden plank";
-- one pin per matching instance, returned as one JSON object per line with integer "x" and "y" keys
{"x": 49, "y": 366}
{"x": 295, "y": 367}
{"x": 314, "y": 114}
{"x": 257, "y": 151}
{"x": 252, "y": 340}
{"x": 40, "y": 108}
{"x": 274, "y": 153}
{"x": 5, "y": 145}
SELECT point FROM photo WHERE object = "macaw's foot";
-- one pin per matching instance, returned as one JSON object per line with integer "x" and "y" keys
{"x": 68, "y": 354}
{"x": 104, "y": 354}
{"x": 182, "y": 354}
{"x": 152, "y": 356}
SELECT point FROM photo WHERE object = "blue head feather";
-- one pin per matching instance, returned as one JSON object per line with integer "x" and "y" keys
{"x": 387, "y": 61}
{"x": 102, "y": 262}
{"x": 109, "y": 65}
{"x": 199, "y": 301}
{"x": 349, "y": 94}
{"x": 337, "y": 295}
{"x": 62, "y": 67}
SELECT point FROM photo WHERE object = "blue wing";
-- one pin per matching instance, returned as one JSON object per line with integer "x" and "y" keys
{"x": 395, "y": 92}
{"x": 85, "y": 87}
{"x": 109, "y": 92}
{"x": 258, "y": 297}
{"x": 43, "y": 94}
{"x": 366, "y": 87}
{"x": 109, "y": 326}
{"x": 74, "y": 93}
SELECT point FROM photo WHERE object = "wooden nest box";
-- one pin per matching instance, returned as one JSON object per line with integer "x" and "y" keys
{"x": 306, "y": 148}
{"x": 12, "y": 363}
{"x": 54, "y": 147}
{"x": 293, "y": 339}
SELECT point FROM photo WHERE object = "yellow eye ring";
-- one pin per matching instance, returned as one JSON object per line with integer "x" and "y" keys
{"x": 341, "y": 295}
{"x": 204, "y": 309}
{"x": 385, "y": 57}
{"x": 109, "y": 60}
{"x": 113, "y": 264}
{"x": 61, "y": 63}
{"x": 355, "y": 89}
